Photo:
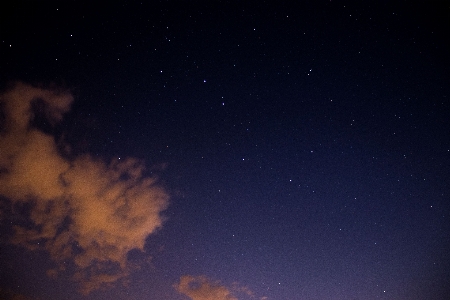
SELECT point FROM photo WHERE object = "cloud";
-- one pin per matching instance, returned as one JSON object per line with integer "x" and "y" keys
{"x": 11, "y": 295}
{"x": 82, "y": 210}
{"x": 201, "y": 288}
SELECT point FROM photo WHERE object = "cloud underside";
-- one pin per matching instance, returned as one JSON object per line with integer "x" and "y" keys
{"x": 201, "y": 288}
{"x": 81, "y": 210}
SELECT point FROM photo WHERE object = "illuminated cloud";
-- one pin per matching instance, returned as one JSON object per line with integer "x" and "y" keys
{"x": 83, "y": 210}
{"x": 201, "y": 288}
{"x": 11, "y": 295}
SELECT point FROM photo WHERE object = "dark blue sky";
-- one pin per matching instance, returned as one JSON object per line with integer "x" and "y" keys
{"x": 302, "y": 150}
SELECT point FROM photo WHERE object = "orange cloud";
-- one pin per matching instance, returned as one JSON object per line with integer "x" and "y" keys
{"x": 9, "y": 294}
{"x": 83, "y": 210}
{"x": 201, "y": 288}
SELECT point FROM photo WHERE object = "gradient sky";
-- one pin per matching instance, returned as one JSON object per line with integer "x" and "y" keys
{"x": 212, "y": 150}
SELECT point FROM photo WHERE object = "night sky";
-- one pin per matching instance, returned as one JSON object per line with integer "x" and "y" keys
{"x": 212, "y": 150}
